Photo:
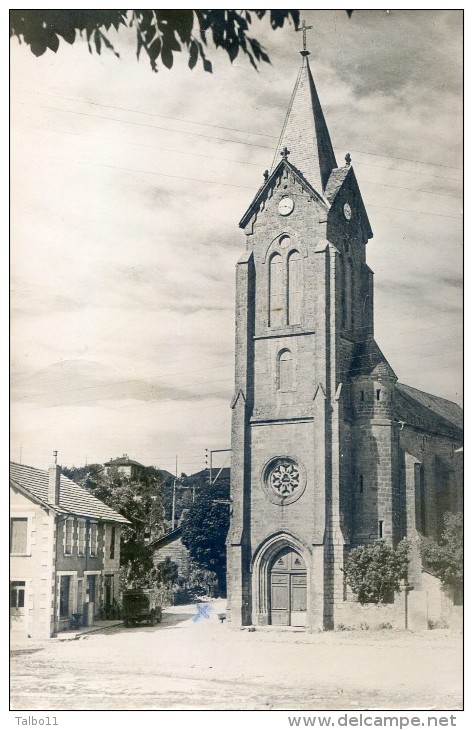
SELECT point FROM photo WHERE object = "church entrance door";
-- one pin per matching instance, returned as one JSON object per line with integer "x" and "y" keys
{"x": 288, "y": 582}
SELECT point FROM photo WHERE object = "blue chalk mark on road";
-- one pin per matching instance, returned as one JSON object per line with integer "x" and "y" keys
{"x": 203, "y": 611}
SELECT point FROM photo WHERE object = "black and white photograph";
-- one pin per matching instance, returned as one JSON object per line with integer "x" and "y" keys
{"x": 236, "y": 365}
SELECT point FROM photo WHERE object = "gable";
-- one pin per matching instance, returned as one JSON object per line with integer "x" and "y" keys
{"x": 21, "y": 500}
{"x": 342, "y": 187}
{"x": 284, "y": 171}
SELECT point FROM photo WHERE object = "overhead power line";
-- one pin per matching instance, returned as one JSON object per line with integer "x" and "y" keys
{"x": 244, "y": 162}
{"x": 233, "y": 129}
{"x": 154, "y": 126}
{"x": 243, "y": 187}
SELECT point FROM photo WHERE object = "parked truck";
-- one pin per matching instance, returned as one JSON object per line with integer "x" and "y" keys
{"x": 141, "y": 605}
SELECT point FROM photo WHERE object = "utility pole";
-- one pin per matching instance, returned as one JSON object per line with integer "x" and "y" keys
{"x": 208, "y": 463}
{"x": 174, "y": 499}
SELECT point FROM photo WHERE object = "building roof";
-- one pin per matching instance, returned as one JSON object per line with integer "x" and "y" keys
{"x": 167, "y": 538}
{"x": 305, "y": 133}
{"x": 72, "y": 498}
{"x": 335, "y": 182}
{"x": 369, "y": 360}
{"x": 445, "y": 409}
{"x": 123, "y": 461}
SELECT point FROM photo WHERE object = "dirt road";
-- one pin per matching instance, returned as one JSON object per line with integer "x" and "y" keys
{"x": 203, "y": 664}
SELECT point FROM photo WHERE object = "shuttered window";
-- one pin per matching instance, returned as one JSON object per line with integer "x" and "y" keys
{"x": 19, "y": 535}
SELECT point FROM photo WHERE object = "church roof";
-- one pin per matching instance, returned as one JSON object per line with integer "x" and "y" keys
{"x": 72, "y": 497}
{"x": 335, "y": 182}
{"x": 369, "y": 360}
{"x": 445, "y": 409}
{"x": 305, "y": 133}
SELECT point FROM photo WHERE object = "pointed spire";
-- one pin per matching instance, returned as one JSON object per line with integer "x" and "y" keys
{"x": 305, "y": 132}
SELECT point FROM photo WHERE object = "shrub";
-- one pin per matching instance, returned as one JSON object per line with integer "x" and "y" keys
{"x": 374, "y": 572}
{"x": 445, "y": 558}
{"x": 440, "y": 624}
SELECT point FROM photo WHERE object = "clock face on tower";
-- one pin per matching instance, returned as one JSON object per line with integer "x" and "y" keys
{"x": 286, "y": 205}
{"x": 347, "y": 211}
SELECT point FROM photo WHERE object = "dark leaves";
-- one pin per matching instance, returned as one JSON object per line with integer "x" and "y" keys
{"x": 193, "y": 54}
{"x": 160, "y": 33}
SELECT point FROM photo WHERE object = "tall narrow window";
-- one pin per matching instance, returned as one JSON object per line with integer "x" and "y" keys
{"x": 80, "y": 595}
{"x": 68, "y": 528}
{"x": 93, "y": 539}
{"x": 294, "y": 288}
{"x": 286, "y": 371}
{"x": 81, "y": 538}
{"x": 112, "y": 542}
{"x": 381, "y": 528}
{"x": 276, "y": 292}
{"x": 348, "y": 295}
{"x": 360, "y": 482}
{"x": 64, "y": 595}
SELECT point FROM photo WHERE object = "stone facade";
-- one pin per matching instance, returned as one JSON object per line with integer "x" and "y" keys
{"x": 321, "y": 430}
{"x": 170, "y": 546}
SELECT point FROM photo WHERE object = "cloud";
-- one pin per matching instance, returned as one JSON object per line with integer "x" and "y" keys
{"x": 123, "y": 256}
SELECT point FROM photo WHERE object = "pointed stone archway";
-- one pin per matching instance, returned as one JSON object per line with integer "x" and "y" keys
{"x": 288, "y": 589}
{"x": 281, "y": 576}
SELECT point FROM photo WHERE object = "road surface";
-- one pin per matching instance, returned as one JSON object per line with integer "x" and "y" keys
{"x": 185, "y": 663}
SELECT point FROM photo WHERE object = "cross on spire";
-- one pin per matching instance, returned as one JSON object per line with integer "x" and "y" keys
{"x": 304, "y": 28}
{"x": 284, "y": 153}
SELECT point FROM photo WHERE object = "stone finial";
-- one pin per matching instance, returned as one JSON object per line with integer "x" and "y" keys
{"x": 266, "y": 175}
{"x": 348, "y": 159}
{"x": 285, "y": 152}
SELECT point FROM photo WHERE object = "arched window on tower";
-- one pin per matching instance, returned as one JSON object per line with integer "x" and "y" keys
{"x": 276, "y": 292}
{"x": 285, "y": 373}
{"x": 348, "y": 295}
{"x": 294, "y": 288}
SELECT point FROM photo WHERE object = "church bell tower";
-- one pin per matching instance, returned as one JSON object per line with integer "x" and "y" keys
{"x": 304, "y": 334}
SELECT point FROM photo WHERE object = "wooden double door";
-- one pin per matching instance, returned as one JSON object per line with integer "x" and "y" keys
{"x": 288, "y": 580}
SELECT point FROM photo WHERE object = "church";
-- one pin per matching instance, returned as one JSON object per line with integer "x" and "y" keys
{"x": 329, "y": 450}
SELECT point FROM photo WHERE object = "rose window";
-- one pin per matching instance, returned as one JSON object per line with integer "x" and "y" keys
{"x": 284, "y": 478}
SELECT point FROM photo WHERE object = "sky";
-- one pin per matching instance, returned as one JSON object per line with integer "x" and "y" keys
{"x": 126, "y": 192}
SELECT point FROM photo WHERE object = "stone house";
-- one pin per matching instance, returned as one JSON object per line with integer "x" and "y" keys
{"x": 329, "y": 451}
{"x": 64, "y": 553}
{"x": 124, "y": 465}
{"x": 170, "y": 546}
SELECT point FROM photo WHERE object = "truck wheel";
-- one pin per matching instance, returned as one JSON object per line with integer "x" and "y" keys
{"x": 152, "y": 620}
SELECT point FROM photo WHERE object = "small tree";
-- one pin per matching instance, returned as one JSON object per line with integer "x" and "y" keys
{"x": 445, "y": 558}
{"x": 139, "y": 500}
{"x": 204, "y": 531}
{"x": 374, "y": 572}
